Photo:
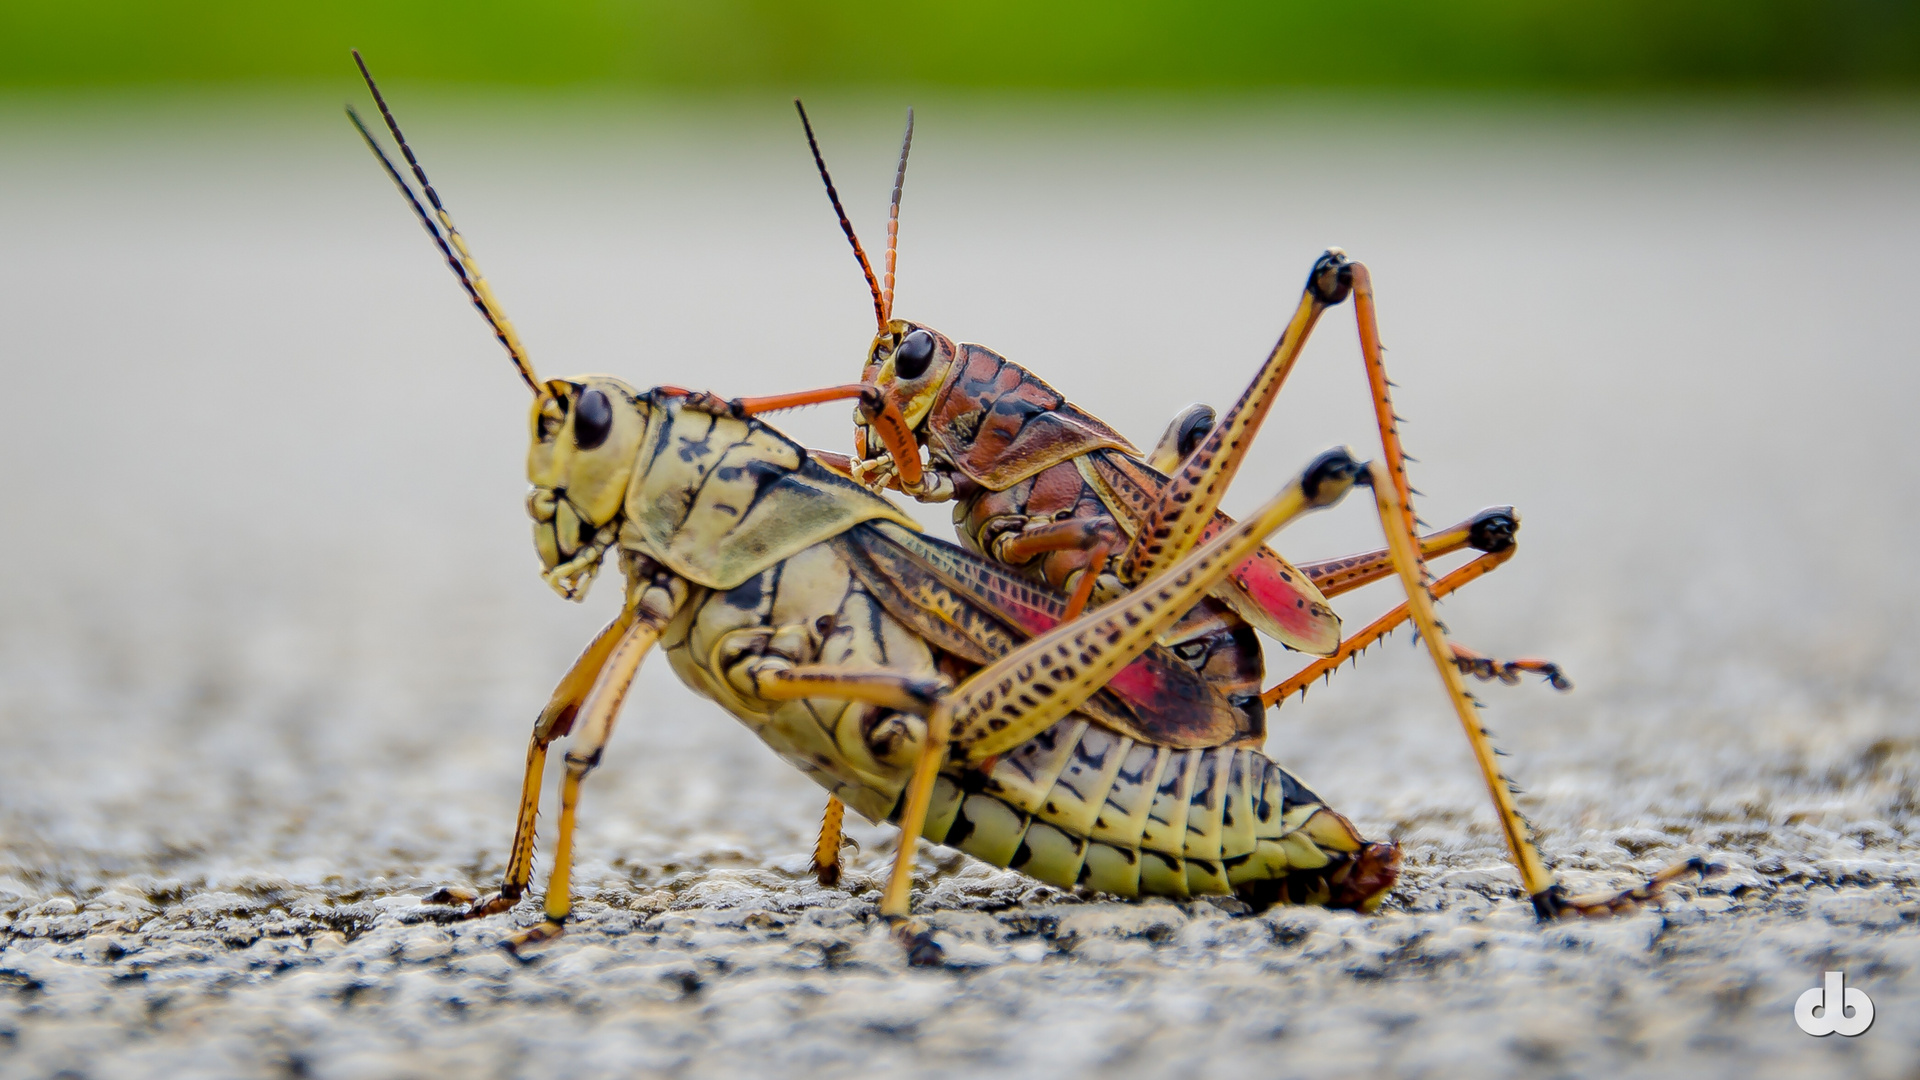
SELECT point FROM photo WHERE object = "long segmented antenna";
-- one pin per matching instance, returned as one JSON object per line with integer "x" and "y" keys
{"x": 879, "y": 302}
{"x": 893, "y": 219}
{"x": 452, "y": 244}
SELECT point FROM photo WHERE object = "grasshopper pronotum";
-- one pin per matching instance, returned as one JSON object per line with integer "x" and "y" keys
{"x": 1054, "y": 493}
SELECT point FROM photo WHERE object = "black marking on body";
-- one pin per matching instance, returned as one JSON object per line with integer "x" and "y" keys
{"x": 1171, "y": 862}
{"x": 765, "y": 475}
{"x": 1292, "y": 792}
{"x": 662, "y": 433}
{"x": 1011, "y": 405}
{"x": 1085, "y": 755}
{"x": 961, "y": 828}
{"x": 874, "y": 615}
{"x": 692, "y": 449}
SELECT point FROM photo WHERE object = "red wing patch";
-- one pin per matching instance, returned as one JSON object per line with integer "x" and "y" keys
{"x": 1266, "y": 590}
{"x": 984, "y": 612}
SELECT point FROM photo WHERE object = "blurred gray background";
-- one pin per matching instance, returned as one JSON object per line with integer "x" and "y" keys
{"x": 271, "y": 626}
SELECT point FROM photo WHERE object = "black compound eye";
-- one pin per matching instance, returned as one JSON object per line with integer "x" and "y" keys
{"x": 592, "y": 420}
{"x": 910, "y": 360}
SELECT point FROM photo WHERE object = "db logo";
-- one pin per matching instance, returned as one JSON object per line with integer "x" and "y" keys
{"x": 1823, "y": 1010}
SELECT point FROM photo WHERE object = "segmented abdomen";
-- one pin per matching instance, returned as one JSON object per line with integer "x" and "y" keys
{"x": 1080, "y": 805}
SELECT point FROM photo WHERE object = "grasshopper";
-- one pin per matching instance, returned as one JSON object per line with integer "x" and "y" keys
{"x": 1054, "y": 493}
{"x": 1048, "y": 489}
{"x": 918, "y": 683}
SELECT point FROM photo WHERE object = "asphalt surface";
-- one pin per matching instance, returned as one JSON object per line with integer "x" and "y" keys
{"x": 271, "y": 630}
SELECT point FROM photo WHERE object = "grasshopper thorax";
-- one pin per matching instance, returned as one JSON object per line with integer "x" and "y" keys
{"x": 585, "y": 434}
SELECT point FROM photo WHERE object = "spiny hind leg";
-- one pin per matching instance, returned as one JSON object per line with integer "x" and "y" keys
{"x": 555, "y": 720}
{"x": 1187, "y": 504}
{"x": 1401, "y": 541}
{"x": 1548, "y": 896}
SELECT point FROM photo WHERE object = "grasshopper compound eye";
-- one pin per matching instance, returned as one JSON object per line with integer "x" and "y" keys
{"x": 910, "y": 360}
{"x": 592, "y": 419}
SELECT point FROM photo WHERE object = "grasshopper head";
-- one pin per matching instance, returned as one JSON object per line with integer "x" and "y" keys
{"x": 909, "y": 363}
{"x": 586, "y": 432}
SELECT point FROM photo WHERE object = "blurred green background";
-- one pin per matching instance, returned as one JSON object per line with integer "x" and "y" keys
{"x": 707, "y": 44}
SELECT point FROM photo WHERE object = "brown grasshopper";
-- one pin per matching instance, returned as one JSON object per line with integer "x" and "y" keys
{"x": 1054, "y": 493}
{"x": 916, "y": 682}
{"x": 1050, "y": 490}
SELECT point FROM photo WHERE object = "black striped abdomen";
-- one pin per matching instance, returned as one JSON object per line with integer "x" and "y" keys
{"x": 1080, "y": 805}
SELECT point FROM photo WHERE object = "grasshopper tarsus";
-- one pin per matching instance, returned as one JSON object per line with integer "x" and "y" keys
{"x": 538, "y": 934}
{"x": 916, "y": 937}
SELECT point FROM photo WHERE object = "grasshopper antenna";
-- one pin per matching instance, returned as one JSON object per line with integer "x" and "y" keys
{"x": 880, "y": 302}
{"x": 893, "y": 219}
{"x": 452, "y": 245}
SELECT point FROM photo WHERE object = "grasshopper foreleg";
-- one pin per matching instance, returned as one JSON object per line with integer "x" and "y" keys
{"x": 625, "y": 644}
{"x": 555, "y": 720}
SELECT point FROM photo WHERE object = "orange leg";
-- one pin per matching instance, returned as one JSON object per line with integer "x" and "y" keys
{"x": 1465, "y": 659}
{"x": 1491, "y": 529}
{"x": 1486, "y": 668}
{"x": 1016, "y": 548}
{"x": 826, "y": 850}
{"x": 1187, "y": 505}
{"x": 1363, "y": 314}
{"x": 879, "y": 410}
{"x": 1083, "y": 589}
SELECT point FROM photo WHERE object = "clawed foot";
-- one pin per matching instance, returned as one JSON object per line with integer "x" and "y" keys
{"x": 1554, "y": 903}
{"x": 874, "y": 473}
{"x": 537, "y": 934}
{"x": 492, "y": 904}
{"x": 916, "y": 937}
{"x": 827, "y": 874}
{"x": 1486, "y": 668}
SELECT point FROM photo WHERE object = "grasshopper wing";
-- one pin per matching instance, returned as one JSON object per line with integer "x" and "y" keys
{"x": 982, "y": 612}
{"x": 1000, "y": 423}
{"x": 1266, "y": 590}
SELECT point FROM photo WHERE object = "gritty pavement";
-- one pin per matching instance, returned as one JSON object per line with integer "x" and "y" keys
{"x": 271, "y": 633}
